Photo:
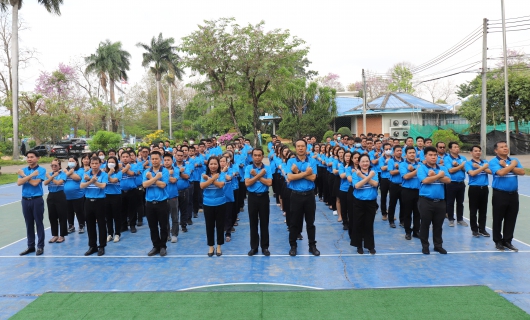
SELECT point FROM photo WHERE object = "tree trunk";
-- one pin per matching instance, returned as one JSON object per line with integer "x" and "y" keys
{"x": 111, "y": 111}
{"x": 169, "y": 109}
{"x": 158, "y": 104}
{"x": 232, "y": 111}
{"x": 516, "y": 123}
{"x": 255, "y": 121}
{"x": 14, "y": 72}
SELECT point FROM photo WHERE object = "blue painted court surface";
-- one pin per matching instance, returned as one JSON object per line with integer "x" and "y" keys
{"x": 398, "y": 262}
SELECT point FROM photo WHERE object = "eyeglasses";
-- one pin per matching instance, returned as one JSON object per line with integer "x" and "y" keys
{"x": 54, "y": 165}
{"x": 441, "y": 147}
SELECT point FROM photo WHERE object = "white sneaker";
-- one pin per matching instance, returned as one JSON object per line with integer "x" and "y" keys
{"x": 117, "y": 238}
{"x": 174, "y": 239}
{"x": 109, "y": 238}
{"x": 335, "y": 213}
{"x": 451, "y": 223}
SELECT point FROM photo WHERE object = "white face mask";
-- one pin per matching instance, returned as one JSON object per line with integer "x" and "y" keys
{"x": 236, "y": 150}
{"x": 358, "y": 145}
{"x": 111, "y": 165}
{"x": 102, "y": 157}
{"x": 71, "y": 164}
{"x": 388, "y": 152}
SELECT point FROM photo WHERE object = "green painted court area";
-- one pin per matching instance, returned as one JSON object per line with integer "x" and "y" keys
{"x": 475, "y": 302}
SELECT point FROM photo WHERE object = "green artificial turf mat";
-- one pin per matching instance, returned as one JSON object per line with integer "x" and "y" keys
{"x": 475, "y": 302}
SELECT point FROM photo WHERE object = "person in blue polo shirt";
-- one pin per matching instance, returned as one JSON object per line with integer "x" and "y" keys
{"x": 477, "y": 172}
{"x": 395, "y": 186}
{"x": 505, "y": 201}
{"x": 156, "y": 205}
{"x": 410, "y": 188}
{"x": 384, "y": 183}
{"x": 30, "y": 178}
{"x": 56, "y": 202}
{"x": 75, "y": 196}
{"x": 212, "y": 184}
{"x": 94, "y": 181}
{"x": 432, "y": 200}
{"x": 183, "y": 185}
{"x": 365, "y": 182}
{"x": 173, "y": 193}
{"x": 258, "y": 179}
{"x": 456, "y": 190}
{"x": 301, "y": 173}
{"x": 113, "y": 199}
{"x": 130, "y": 194}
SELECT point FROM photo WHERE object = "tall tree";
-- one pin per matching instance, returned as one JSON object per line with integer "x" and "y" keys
{"x": 110, "y": 63}
{"x": 161, "y": 56}
{"x": 401, "y": 78}
{"x": 53, "y": 7}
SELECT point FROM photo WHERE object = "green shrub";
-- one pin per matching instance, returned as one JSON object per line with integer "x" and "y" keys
{"x": 105, "y": 140}
{"x": 343, "y": 131}
{"x": 32, "y": 144}
{"x": 250, "y": 136}
{"x": 445, "y": 136}
{"x": 328, "y": 134}
{"x": 6, "y": 147}
{"x": 265, "y": 138}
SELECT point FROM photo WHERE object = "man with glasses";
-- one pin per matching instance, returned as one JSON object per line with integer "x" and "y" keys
{"x": 440, "y": 152}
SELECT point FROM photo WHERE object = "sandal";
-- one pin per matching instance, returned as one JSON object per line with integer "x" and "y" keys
{"x": 60, "y": 240}
{"x": 228, "y": 238}
{"x": 53, "y": 239}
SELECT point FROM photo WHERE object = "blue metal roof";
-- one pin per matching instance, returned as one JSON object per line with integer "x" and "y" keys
{"x": 346, "y": 103}
{"x": 393, "y": 100}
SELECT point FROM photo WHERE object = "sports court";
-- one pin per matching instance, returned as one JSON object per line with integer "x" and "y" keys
{"x": 126, "y": 269}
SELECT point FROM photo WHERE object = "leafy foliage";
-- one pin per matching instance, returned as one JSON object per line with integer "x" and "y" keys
{"x": 401, "y": 78}
{"x": 344, "y": 131}
{"x": 328, "y": 134}
{"x": 105, "y": 140}
{"x": 445, "y": 136}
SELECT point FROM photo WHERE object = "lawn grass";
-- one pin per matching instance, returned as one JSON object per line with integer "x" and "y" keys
{"x": 22, "y": 162}
{"x": 8, "y": 178}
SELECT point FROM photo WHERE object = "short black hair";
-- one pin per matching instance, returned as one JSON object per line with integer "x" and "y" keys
{"x": 156, "y": 153}
{"x": 452, "y": 143}
{"x": 429, "y": 149}
{"x": 437, "y": 143}
{"x": 168, "y": 155}
{"x": 34, "y": 153}
{"x": 409, "y": 148}
{"x": 419, "y": 137}
{"x": 258, "y": 149}
{"x": 476, "y": 146}
{"x": 397, "y": 147}
{"x": 428, "y": 139}
{"x": 305, "y": 142}
{"x": 496, "y": 145}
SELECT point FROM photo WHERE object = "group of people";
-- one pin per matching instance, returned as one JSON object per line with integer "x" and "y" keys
{"x": 111, "y": 192}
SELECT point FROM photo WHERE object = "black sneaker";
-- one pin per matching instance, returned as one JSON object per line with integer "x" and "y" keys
{"x": 402, "y": 225}
{"x": 195, "y": 215}
{"x": 292, "y": 252}
{"x": 300, "y": 237}
{"x": 440, "y": 250}
{"x": 360, "y": 250}
{"x": 408, "y": 236}
{"x": 71, "y": 229}
{"x": 313, "y": 249}
{"x": 140, "y": 223}
{"x": 184, "y": 229}
{"x": 510, "y": 246}
{"x": 392, "y": 225}
{"x": 425, "y": 250}
{"x": 484, "y": 233}
{"x": 372, "y": 251}
{"x": 499, "y": 246}
{"x": 476, "y": 234}
{"x": 189, "y": 222}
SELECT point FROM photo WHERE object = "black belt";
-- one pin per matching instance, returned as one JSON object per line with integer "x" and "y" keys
{"x": 399, "y": 184}
{"x": 125, "y": 191}
{"x": 31, "y": 198}
{"x": 507, "y": 192}
{"x": 432, "y": 200}
{"x": 156, "y": 202}
{"x": 259, "y": 194}
{"x": 94, "y": 199}
{"x": 480, "y": 187}
{"x": 457, "y": 182}
{"x": 304, "y": 193}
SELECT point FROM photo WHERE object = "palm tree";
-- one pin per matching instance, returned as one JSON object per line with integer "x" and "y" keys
{"x": 53, "y": 7}
{"x": 163, "y": 55}
{"x": 170, "y": 79}
{"x": 110, "y": 63}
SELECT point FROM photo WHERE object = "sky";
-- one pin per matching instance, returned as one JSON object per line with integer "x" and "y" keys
{"x": 344, "y": 36}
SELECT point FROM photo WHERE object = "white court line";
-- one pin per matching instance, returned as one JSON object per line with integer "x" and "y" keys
{"x": 254, "y": 257}
{"x": 250, "y": 283}
{"x": 1, "y": 205}
{"x": 492, "y": 232}
{"x": 20, "y": 240}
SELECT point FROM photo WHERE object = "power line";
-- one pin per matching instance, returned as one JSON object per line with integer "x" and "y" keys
{"x": 511, "y": 18}
{"x": 449, "y": 75}
{"x": 516, "y": 26}
{"x": 509, "y": 30}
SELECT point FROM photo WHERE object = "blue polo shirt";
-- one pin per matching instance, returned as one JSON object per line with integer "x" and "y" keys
{"x": 509, "y": 182}
{"x": 52, "y": 187}
{"x": 154, "y": 192}
{"x": 420, "y": 154}
{"x": 335, "y": 166}
{"x": 301, "y": 185}
{"x": 384, "y": 173}
{"x": 72, "y": 188}
{"x": 391, "y": 167}
{"x": 93, "y": 191}
{"x": 183, "y": 183}
{"x": 460, "y": 175}
{"x": 375, "y": 155}
{"x": 344, "y": 183}
{"x": 171, "y": 188}
{"x": 212, "y": 195}
{"x": 128, "y": 182}
{"x": 480, "y": 179}
{"x": 439, "y": 159}
{"x": 114, "y": 187}
{"x": 258, "y": 187}
{"x": 33, "y": 191}
{"x": 139, "y": 173}
{"x": 412, "y": 183}
{"x": 366, "y": 192}
{"x": 433, "y": 190}
{"x": 229, "y": 185}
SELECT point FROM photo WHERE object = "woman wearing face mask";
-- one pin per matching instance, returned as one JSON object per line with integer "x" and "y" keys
{"x": 337, "y": 163}
{"x": 331, "y": 179}
{"x": 385, "y": 178}
{"x": 325, "y": 156}
{"x": 228, "y": 172}
{"x": 212, "y": 183}
{"x": 345, "y": 169}
{"x": 354, "y": 162}
{"x": 318, "y": 180}
{"x": 56, "y": 202}
{"x": 365, "y": 183}
{"x": 113, "y": 200}
{"x": 101, "y": 156}
{"x": 75, "y": 196}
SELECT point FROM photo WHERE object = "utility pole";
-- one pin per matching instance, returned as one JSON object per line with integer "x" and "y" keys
{"x": 14, "y": 73}
{"x": 169, "y": 105}
{"x": 483, "y": 119}
{"x": 364, "y": 103}
{"x": 506, "y": 101}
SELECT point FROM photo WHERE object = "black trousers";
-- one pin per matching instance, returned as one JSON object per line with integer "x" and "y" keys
{"x": 129, "y": 208}
{"x": 332, "y": 200}
{"x": 395, "y": 195}
{"x": 157, "y": 217}
{"x": 455, "y": 191}
{"x": 140, "y": 204}
{"x": 173, "y": 215}
{"x": 229, "y": 209}
{"x": 95, "y": 211}
{"x": 286, "y": 200}
{"x": 505, "y": 209}
{"x": 384, "y": 185}
{"x": 113, "y": 213}
{"x": 478, "y": 201}
{"x": 183, "y": 207}
{"x": 258, "y": 211}
{"x": 363, "y": 223}
{"x": 190, "y": 208}
{"x": 344, "y": 207}
{"x": 33, "y": 211}
{"x": 76, "y": 207}
{"x": 302, "y": 206}
{"x": 319, "y": 182}
{"x": 431, "y": 213}
{"x": 242, "y": 194}
{"x": 409, "y": 206}
{"x": 197, "y": 196}
{"x": 350, "y": 198}
{"x": 214, "y": 217}
{"x": 276, "y": 186}
{"x": 57, "y": 213}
